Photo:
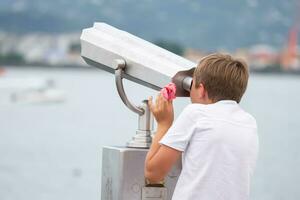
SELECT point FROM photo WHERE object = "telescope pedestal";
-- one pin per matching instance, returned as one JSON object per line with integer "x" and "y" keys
{"x": 142, "y": 138}
{"x": 123, "y": 175}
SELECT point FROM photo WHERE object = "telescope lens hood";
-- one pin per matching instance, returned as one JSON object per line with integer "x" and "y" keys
{"x": 183, "y": 81}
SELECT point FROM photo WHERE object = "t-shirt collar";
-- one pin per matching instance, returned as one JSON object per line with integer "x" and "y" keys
{"x": 227, "y": 102}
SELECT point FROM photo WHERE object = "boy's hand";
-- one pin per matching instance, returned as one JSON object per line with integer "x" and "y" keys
{"x": 162, "y": 111}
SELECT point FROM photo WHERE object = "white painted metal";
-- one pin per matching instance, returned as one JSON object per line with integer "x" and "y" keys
{"x": 142, "y": 138}
{"x": 123, "y": 174}
{"x": 146, "y": 63}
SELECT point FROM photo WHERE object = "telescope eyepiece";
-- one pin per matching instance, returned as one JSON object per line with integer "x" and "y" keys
{"x": 187, "y": 83}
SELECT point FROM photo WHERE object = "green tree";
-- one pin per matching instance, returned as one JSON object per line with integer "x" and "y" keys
{"x": 12, "y": 58}
{"x": 75, "y": 48}
{"x": 170, "y": 46}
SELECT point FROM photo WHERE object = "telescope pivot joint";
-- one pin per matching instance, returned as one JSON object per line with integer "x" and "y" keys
{"x": 120, "y": 66}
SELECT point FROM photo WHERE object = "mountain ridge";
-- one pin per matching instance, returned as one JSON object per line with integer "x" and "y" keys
{"x": 206, "y": 25}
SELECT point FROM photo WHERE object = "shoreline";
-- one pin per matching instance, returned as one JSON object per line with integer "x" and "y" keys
{"x": 87, "y": 67}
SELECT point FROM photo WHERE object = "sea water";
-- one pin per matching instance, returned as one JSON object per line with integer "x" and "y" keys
{"x": 53, "y": 150}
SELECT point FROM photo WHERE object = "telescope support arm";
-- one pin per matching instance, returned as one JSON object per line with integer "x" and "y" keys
{"x": 120, "y": 65}
{"x": 142, "y": 139}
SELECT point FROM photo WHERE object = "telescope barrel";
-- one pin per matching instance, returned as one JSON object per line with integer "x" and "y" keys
{"x": 146, "y": 63}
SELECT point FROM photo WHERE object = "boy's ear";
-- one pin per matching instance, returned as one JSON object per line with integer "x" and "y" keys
{"x": 202, "y": 90}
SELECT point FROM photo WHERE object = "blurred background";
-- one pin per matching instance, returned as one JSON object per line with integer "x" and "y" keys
{"x": 56, "y": 113}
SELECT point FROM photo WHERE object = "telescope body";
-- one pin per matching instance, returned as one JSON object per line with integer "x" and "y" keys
{"x": 146, "y": 63}
{"x": 127, "y": 56}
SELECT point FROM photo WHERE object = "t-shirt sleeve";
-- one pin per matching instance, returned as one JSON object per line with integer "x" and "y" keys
{"x": 180, "y": 133}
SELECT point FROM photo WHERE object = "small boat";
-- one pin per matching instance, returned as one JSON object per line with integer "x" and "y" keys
{"x": 50, "y": 95}
{"x": 15, "y": 84}
{"x": 2, "y": 71}
{"x": 29, "y": 91}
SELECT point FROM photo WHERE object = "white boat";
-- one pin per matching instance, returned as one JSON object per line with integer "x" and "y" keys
{"x": 8, "y": 83}
{"x": 29, "y": 90}
{"x": 48, "y": 95}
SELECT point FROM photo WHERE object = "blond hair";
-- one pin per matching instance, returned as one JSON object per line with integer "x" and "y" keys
{"x": 223, "y": 77}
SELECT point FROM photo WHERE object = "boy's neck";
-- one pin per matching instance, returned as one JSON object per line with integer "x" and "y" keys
{"x": 205, "y": 101}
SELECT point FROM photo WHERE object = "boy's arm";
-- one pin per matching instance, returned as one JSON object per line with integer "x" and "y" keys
{"x": 160, "y": 158}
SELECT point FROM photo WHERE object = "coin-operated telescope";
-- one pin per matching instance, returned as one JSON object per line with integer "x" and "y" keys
{"x": 130, "y": 57}
{"x": 127, "y": 56}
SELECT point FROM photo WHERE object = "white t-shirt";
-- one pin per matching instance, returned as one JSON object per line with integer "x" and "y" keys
{"x": 220, "y": 144}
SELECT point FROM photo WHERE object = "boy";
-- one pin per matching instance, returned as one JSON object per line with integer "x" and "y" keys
{"x": 217, "y": 139}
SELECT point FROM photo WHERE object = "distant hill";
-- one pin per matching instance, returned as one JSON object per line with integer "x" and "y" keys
{"x": 209, "y": 25}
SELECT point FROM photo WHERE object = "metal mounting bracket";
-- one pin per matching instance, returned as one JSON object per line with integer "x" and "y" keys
{"x": 142, "y": 139}
{"x": 120, "y": 65}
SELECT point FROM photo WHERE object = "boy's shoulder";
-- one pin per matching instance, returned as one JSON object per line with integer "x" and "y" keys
{"x": 193, "y": 109}
{"x": 249, "y": 118}
{"x": 226, "y": 110}
{"x": 199, "y": 109}
{"x": 194, "y": 113}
